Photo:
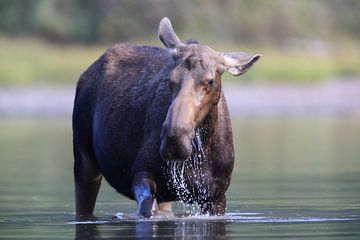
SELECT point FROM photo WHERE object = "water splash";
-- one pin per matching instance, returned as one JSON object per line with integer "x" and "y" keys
{"x": 238, "y": 217}
{"x": 191, "y": 178}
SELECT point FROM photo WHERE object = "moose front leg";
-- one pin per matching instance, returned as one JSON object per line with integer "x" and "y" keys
{"x": 215, "y": 206}
{"x": 144, "y": 188}
{"x": 219, "y": 206}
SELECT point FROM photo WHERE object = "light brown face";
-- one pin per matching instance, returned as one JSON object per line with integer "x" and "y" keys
{"x": 195, "y": 84}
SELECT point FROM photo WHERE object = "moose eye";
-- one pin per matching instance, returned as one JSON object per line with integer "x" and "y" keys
{"x": 211, "y": 82}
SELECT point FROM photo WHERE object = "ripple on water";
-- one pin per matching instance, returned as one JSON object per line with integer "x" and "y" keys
{"x": 236, "y": 217}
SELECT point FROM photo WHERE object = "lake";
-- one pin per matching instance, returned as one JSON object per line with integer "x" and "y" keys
{"x": 294, "y": 177}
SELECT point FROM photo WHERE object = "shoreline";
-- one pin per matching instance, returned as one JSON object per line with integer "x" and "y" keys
{"x": 338, "y": 98}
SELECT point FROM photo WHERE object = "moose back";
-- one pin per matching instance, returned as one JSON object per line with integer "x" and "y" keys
{"x": 154, "y": 123}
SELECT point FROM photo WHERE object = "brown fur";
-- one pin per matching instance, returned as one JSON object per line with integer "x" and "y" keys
{"x": 138, "y": 107}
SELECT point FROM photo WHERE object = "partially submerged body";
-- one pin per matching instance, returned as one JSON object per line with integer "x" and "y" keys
{"x": 154, "y": 122}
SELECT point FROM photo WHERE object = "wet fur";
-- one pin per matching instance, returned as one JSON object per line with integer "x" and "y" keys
{"x": 120, "y": 105}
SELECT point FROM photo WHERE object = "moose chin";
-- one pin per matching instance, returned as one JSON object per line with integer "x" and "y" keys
{"x": 139, "y": 108}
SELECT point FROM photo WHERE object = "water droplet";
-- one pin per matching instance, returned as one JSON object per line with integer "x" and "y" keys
{"x": 190, "y": 178}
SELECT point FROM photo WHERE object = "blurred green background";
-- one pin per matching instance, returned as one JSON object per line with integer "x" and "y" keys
{"x": 53, "y": 41}
{"x": 295, "y": 115}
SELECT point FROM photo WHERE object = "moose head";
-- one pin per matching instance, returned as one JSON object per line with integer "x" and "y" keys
{"x": 195, "y": 84}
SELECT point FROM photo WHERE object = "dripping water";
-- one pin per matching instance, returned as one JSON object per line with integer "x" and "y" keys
{"x": 190, "y": 178}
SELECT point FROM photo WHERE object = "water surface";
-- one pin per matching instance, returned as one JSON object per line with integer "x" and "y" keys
{"x": 296, "y": 178}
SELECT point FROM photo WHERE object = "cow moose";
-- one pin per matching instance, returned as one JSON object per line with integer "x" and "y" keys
{"x": 155, "y": 124}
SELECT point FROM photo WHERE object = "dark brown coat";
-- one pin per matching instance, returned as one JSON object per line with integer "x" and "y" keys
{"x": 154, "y": 122}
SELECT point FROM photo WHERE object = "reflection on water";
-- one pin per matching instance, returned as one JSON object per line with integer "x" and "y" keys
{"x": 297, "y": 178}
{"x": 205, "y": 227}
{"x": 150, "y": 230}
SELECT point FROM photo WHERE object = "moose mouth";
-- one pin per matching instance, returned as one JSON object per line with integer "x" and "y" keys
{"x": 172, "y": 150}
{"x": 175, "y": 148}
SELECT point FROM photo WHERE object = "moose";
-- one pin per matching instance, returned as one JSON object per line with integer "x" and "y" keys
{"x": 155, "y": 124}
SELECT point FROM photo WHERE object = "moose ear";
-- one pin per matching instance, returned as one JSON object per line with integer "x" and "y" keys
{"x": 167, "y": 35}
{"x": 238, "y": 63}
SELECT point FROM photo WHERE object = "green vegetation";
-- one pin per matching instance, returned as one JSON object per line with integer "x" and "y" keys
{"x": 251, "y": 21}
{"x": 54, "y": 41}
{"x": 30, "y": 61}
{"x": 304, "y": 67}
